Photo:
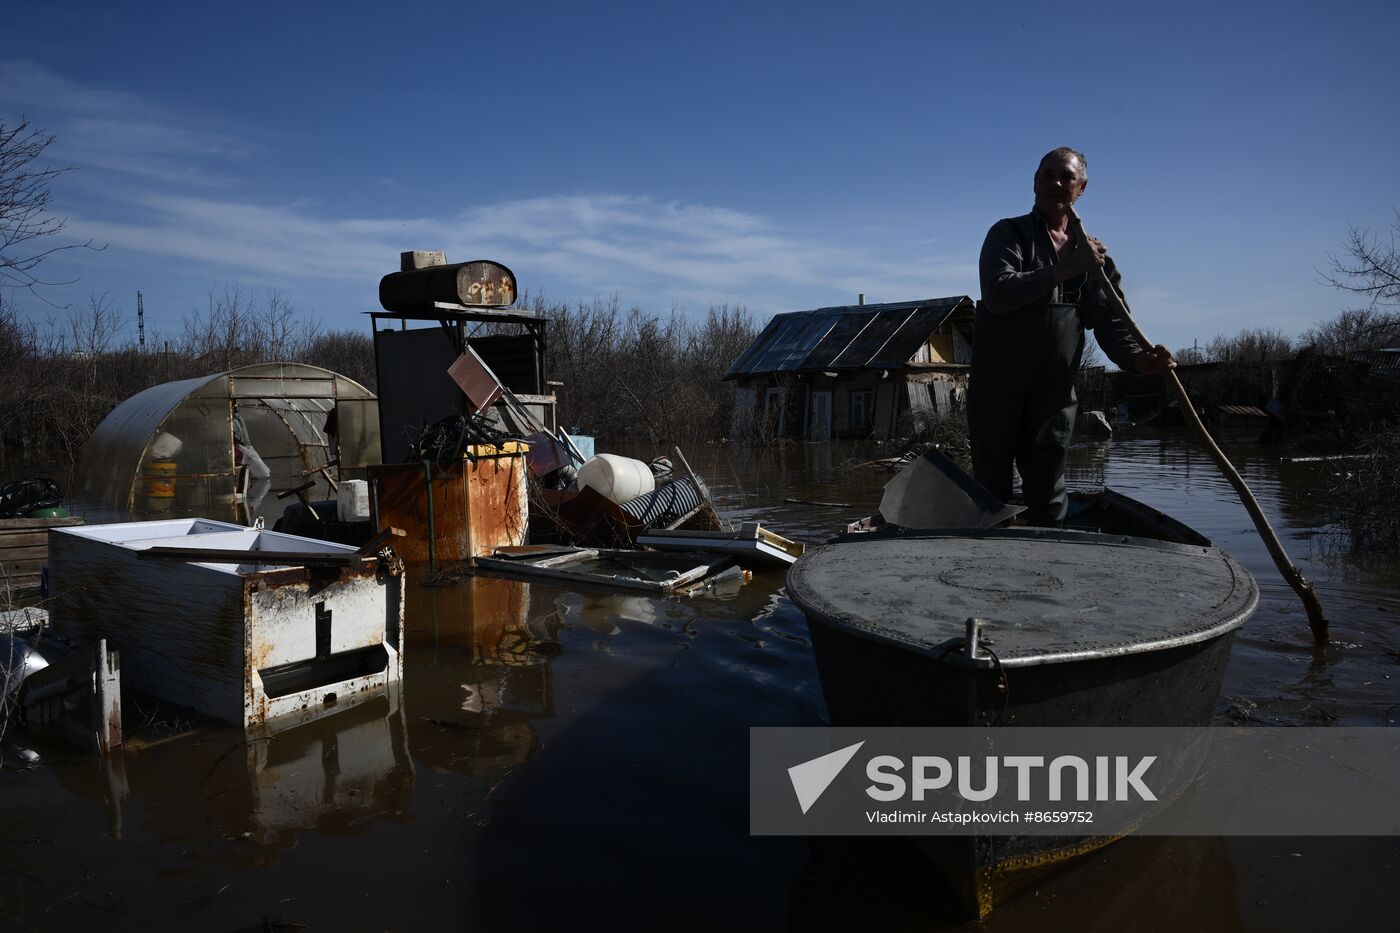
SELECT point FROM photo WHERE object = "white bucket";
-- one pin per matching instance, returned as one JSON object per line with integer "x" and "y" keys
{"x": 165, "y": 446}
{"x": 620, "y": 479}
{"x": 352, "y": 500}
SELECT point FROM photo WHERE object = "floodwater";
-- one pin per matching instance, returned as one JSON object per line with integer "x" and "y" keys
{"x": 579, "y": 760}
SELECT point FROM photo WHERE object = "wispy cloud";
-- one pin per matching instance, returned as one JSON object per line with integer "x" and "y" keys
{"x": 119, "y": 132}
{"x": 650, "y": 250}
{"x": 646, "y": 249}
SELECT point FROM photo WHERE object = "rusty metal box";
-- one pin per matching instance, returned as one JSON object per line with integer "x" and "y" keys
{"x": 456, "y": 511}
{"x": 240, "y": 640}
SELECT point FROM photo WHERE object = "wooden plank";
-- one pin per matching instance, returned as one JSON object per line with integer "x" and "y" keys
{"x": 559, "y": 560}
{"x": 106, "y": 699}
{"x": 24, "y": 538}
{"x": 10, "y": 568}
{"x": 38, "y": 551}
{"x": 11, "y": 524}
{"x": 531, "y": 551}
{"x": 385, "y": 537}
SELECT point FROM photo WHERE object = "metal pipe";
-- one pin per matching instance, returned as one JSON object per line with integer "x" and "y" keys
{"x": 972, "y": 631}
{"x": 432, "y": 532}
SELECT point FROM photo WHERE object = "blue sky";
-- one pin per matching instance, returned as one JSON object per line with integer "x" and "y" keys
{"x": 778, "y": 156}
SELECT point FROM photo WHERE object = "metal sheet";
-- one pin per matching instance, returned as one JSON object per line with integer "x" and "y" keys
{"x": 414, "y": 388}
{"x": 845, "y": 330}
{"x": 783, "y": 343}
{"x": 872, "y": 339}
{"x": 793, "y": 344}
{"x": 475, "y": 380}
{"x": 934, "y": 492}
{"x": 744, "y": 363}
{"x": 913, "y": 334}
{"x": 1043, "y": 596}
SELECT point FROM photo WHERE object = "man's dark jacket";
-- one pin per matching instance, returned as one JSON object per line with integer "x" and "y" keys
{"x": 1027, "y": 346}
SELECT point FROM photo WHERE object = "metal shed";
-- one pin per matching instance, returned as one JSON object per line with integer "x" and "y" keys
{"x": 183, "y": 448}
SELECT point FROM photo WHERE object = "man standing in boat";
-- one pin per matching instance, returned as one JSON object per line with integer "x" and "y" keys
{"x": 1037, "y": 301}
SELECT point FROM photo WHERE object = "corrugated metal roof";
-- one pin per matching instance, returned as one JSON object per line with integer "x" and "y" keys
{"x": 1384, "y": 362}
{"x": 881, "y": 336}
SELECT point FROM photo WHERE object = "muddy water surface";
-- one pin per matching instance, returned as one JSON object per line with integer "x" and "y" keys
{"x": 579, "y": 760}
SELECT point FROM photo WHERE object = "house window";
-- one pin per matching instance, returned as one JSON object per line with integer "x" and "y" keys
{"x": 860, "y": 409}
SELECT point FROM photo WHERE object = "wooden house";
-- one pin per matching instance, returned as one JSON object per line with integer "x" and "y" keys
{"x": 854, "y": 371}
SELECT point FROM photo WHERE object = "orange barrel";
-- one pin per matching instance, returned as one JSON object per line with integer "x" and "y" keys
{"x": 159, "y": 485}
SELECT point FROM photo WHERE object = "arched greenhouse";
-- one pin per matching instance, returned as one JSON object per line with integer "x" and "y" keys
{"x": 222, "y": 446}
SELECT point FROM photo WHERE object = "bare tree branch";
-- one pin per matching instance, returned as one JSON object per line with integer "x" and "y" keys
{"x": 1369, "y": 265}
{"x": 24, "y": 205}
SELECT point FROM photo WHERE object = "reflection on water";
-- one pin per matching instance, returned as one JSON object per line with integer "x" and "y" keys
{"x": 322, "y": 775}
{"x": 596, "y": 744}
{"x": 348, "y": 767}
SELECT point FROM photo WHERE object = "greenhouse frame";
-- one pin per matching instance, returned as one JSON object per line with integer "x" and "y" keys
{"x": 219, "y": 446}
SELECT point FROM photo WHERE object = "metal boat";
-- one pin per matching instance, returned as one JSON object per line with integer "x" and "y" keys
{"x": 1123, "y": 618}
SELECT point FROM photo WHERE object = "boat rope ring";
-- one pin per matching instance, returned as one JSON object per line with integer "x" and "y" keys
{"x": 1001, "y": 580}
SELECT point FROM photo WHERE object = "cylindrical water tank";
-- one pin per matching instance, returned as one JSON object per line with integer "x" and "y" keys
{"x": 617, "y": 478}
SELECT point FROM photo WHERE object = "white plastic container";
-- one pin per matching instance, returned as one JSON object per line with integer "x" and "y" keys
{"x": 352, "y": 500}
{"x": 620, "y": 479}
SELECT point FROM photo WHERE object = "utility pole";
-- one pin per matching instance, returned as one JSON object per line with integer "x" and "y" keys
{"x": 140, "y": 321}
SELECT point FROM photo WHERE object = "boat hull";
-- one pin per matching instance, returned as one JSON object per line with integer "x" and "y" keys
{"x": 885, "y": 622}
{"x": 869, "y": 682}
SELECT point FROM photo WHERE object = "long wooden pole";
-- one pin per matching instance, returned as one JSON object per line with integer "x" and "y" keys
{"x": 1317, "y": 621}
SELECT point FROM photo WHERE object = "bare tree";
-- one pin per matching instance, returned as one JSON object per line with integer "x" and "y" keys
{"x": 1369, "y": 265}
{"x": 349, "y": 353}
{"x": 1251, "y": 345}
{"x": 79, "y": 354}
{"x": 239, "y": 327}
{"x": 24, "y": 204}
{"x": 1355, "y": 329}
